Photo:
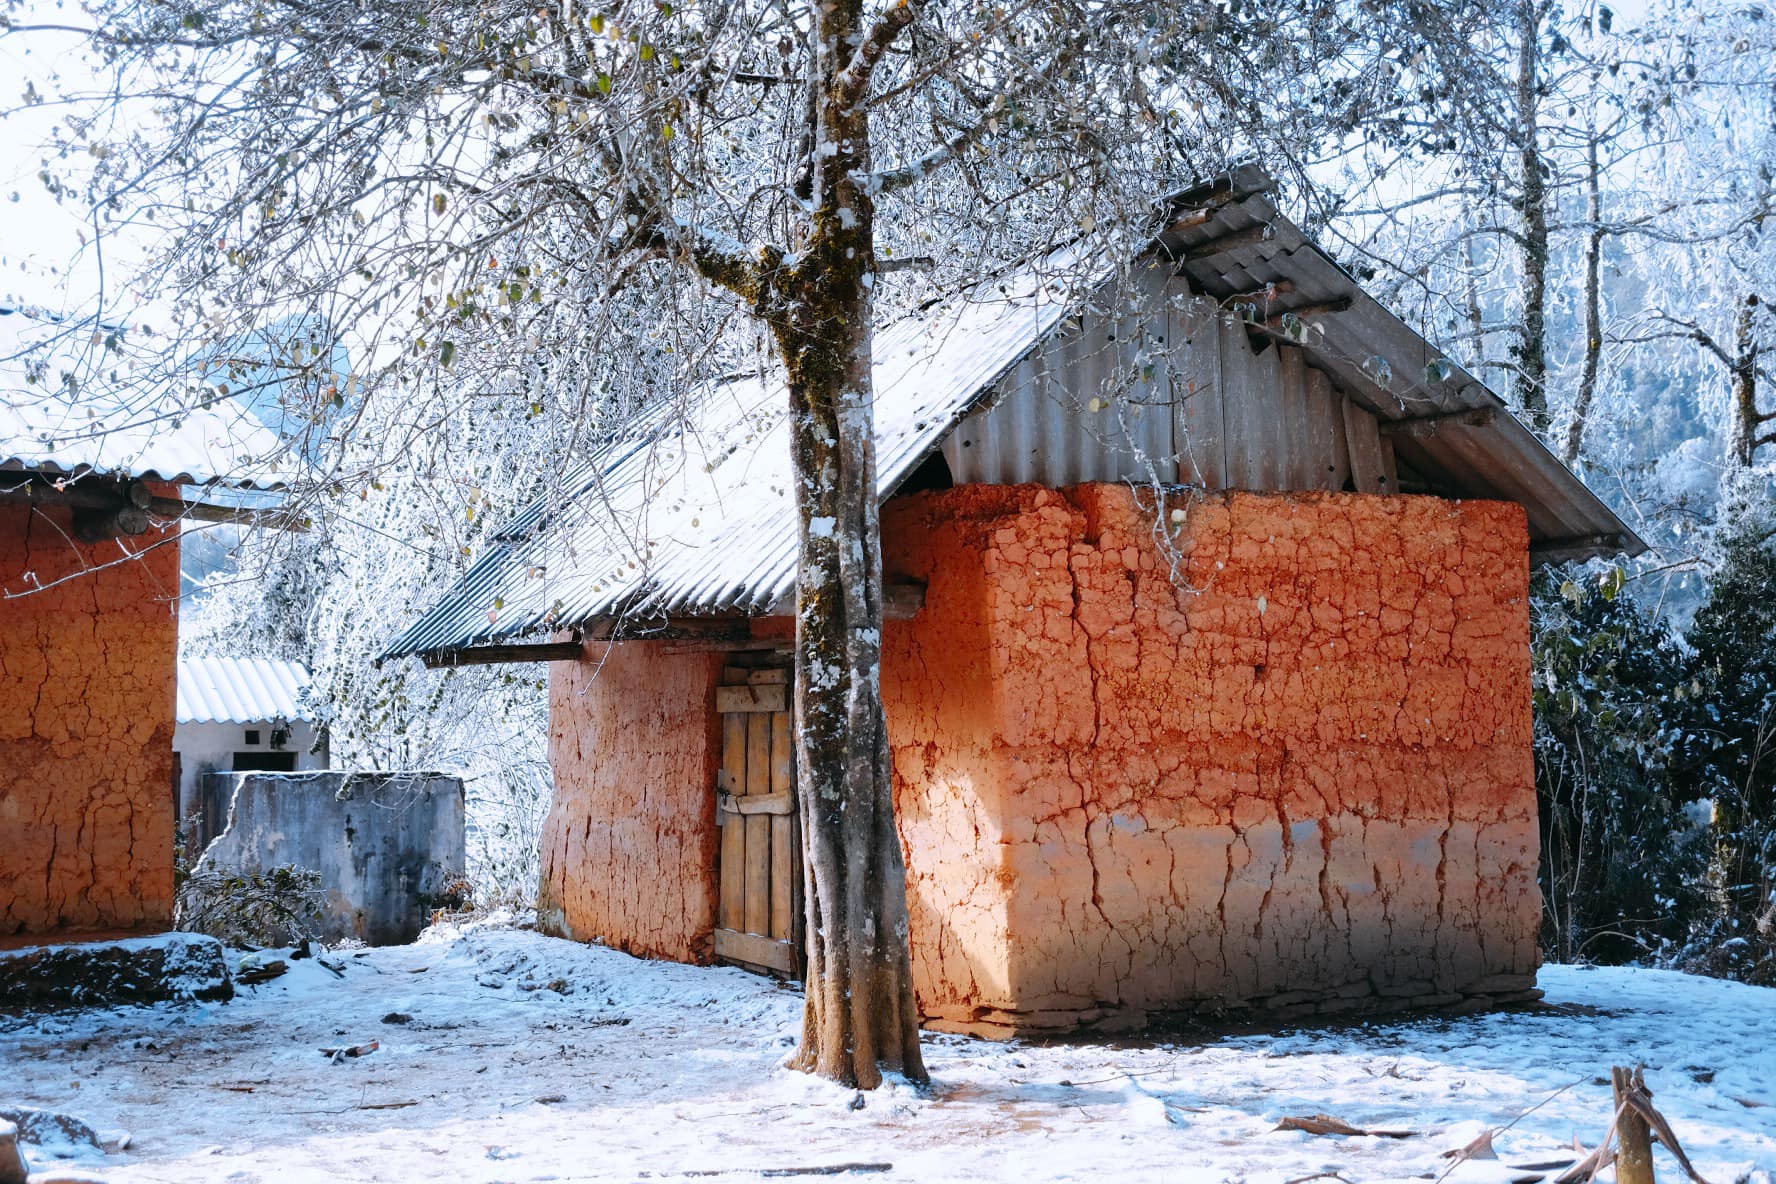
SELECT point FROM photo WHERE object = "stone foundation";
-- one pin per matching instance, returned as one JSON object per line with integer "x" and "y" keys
{"x": 1275, "y": 756}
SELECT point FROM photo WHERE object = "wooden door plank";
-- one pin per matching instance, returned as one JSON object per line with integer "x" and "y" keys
{"x": 731, "y": 777}
{"x": 768, "y": 676}
{"x": 758, "y": 826}
{"x": 756, "y": 950}
{"x": 783, "y": 864}
{"x": 751, "y": 698}
{"x": 732, "y": 905}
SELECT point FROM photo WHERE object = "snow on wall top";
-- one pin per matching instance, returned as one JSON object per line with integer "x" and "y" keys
{"x": 241, "y": 690}
{"x": 694, "y": 512}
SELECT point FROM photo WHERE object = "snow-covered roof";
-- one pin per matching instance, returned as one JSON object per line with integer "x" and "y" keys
{"x": 241, "y": 690}
{"x": 695, "y": 514}
{"x": 46, "y": 429}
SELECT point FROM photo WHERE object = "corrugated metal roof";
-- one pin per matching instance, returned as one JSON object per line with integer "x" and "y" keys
{"x": 241, "y": 690}
{"x": 702, "y": 519}
{"x": 50, "y": 431}
{"x": 1231, "y": 240}
{"x": 696, "y": 514}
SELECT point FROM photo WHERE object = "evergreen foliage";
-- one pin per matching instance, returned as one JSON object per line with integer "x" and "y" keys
{"x": 1656, "y": 763}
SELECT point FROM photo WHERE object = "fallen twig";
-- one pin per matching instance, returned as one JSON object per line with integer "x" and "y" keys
{"x": 1326, "y": 1124}
{"x": 253, "y": 975}
{"x": 1497, "y": 1131}
{"x": 834, "y": 1169}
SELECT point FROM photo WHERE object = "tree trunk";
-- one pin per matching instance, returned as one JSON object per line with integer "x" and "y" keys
{"x": 1746, "y": 419}
{"x": 1532, "y": 346}
{"x": 1581, "y": 409}
{"x": 860, "y": 1018}
{"x": 1471, "y": 293}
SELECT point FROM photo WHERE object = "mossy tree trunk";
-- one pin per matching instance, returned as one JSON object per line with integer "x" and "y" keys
{"x": 860, "y": 1019}
{"x": 1530, "y": 351}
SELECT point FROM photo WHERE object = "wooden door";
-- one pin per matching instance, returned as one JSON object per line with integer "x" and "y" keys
{"x": 760, "y": 907}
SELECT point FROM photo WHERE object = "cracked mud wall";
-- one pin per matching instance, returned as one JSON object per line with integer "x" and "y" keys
{"x": 629, "y": 847}
{"x": 88, "y": 671}
{"x": 1297, "y": 776}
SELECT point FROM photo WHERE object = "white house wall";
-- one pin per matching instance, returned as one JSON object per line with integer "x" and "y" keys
{"x": 210, "y": 748}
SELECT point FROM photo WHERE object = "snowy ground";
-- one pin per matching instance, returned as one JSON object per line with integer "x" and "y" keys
{"x": 530, "y": 1059}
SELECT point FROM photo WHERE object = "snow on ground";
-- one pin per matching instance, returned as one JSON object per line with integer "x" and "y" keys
{"x": 531, "y": 1059}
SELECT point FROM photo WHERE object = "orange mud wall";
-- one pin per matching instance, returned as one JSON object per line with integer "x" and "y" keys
{"x": 88, "y": 671}
{"x": 1294, "y": 773}
{"x": 629, "y": 847}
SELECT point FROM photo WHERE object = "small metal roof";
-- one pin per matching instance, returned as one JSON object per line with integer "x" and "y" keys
{"x": 693, "y": 513}
{"x": 1231, "y": 240}
{"x": 45, "y": 429}
{"x": 241, "y": 690}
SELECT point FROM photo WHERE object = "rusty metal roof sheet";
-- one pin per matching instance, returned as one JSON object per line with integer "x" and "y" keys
{"x": 694, "y": 513}
{"x": 241, "y": 690}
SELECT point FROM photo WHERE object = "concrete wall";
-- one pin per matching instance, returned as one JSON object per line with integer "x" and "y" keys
{"x": 629, "y": 848}
{"x": 388, "y": 847}
{"x": 209, "y": 748}
{"x": 88, "y": 670}
{"x": 1296, "y": 774}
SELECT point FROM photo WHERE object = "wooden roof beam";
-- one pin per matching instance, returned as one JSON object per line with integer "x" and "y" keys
{"x": 1207, "y": 201}
{"x": 494, "y": 655}
{"x": 1251, "y": 236}
{"x": 1584, "y": 546}
{"x": 1421, "y": 426}
{"x": 1312, "y": 308}
{"x": 107, "y": 508}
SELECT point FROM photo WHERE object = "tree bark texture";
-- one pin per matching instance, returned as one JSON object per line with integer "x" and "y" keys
{"x": 1581, "y": 409}
{"x": 1746, "y": 417}
{"x": 1531, "y": 349}
{"x": 860, "y": 1018}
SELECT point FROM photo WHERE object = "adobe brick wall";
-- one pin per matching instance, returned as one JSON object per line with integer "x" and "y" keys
{"x": 629, "y": 847}
{"x": 1295, "y": 775}
{"x": 88, "y": 671}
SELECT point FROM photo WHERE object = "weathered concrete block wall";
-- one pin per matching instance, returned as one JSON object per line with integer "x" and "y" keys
{"x": 629, "y": 847}
{"x": 388, "y": 846}
{"x": 1296, "y": 774}
{"x": 88, "y": 670}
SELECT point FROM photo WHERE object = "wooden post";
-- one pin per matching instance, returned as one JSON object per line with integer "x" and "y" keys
{"x": 1634, "y": 1162}
{"x": 12, "y": 1161}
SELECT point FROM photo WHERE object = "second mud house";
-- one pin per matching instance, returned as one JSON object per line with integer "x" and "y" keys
{"x": 1208, "y": 676}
